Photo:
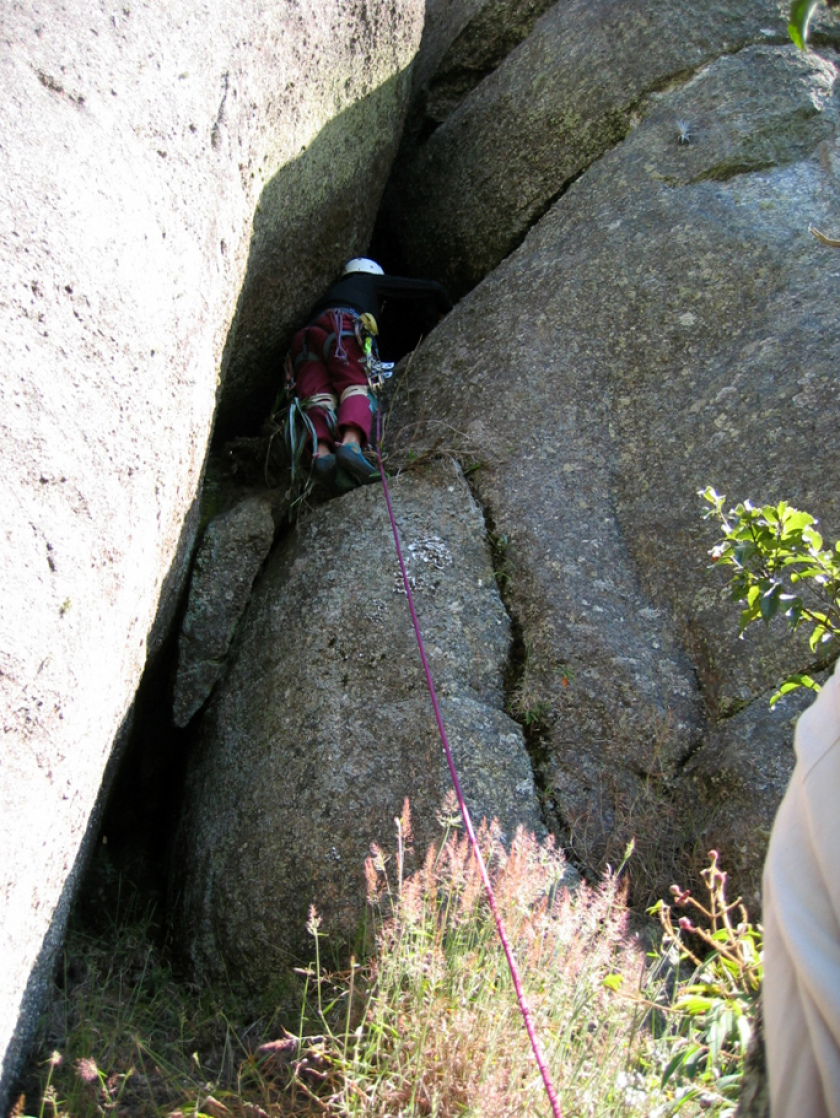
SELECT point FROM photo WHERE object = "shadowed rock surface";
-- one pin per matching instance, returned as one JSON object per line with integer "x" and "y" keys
{"x": 152, "y": 155}
{"x": 737, "y": 780}
{"x": 323, "y": 724}
{"x": 463, "y": 43}
{"x": 754, "y": 1100}
{"x": 232, "y": 550}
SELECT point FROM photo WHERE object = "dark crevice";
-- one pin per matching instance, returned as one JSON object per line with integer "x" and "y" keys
{"x": 538, "y": 216}
{"x": 477, "y": 51}
{"x": 532, "y": 723}
{"x": 692, "y": 751}
{"x": 132, "y": 851}
{"x": 821, "y": 667}
{"x": 404, "y": 322}
{"x": 725, "y": 172}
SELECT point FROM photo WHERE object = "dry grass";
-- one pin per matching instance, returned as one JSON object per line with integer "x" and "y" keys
{"x": 439, "y": 1031}
{"x": 428, "y": 1026}
{"x": 443, "y": 1034}
{"x": 124, "y": 1036}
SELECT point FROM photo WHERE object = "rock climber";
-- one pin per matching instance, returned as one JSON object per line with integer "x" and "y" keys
{"x": 801, "y": 991}
{"x": 328, "y": 363}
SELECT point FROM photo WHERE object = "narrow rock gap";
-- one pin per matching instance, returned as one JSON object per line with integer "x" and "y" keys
{"x": 533, "y": 729}
{"x": 142, "y": 811}
{"x": 130, "y": 861}
{"x": 133, "y": 850}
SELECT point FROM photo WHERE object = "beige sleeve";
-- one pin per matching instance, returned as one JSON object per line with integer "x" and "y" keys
{"x": 802, "y": 923}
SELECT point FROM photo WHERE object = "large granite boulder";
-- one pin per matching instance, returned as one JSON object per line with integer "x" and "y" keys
{"x": 137, "y": 144}
{"x": 233, "y": 548}
{"x": 669, "y": 324}
{"x": 463, "y": 42}
{"x": 468, "y": 193}
{"x": 323, "y": 724}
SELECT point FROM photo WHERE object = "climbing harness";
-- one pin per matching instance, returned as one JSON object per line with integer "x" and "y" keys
{"x": 290, "y": 411}
{"x": 378, "y": 371}
{"x": 465, "y": 814}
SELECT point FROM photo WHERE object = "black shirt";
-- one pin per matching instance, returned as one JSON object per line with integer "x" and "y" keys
{"x": 364, "y": 293}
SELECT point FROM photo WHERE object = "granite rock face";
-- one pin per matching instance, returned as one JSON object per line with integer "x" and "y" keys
{"x": 150, "y": 166}
{"x": 323, "y": 724}
{"x": 467, "y": 193}
{"x": 228, "y": 559}
{"x": 623, "y": 191}
{"x": 462, "y": 43}
{"x": 666, "y": 326}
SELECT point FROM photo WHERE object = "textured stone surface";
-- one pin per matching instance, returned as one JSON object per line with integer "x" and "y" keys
{"x": 232, "y": 550}
{"x": 138, "y": 142}
{"x": 445, "y": 21}
{"x": 568, "y": 94}
{"x": 323, "y": 723}
{"x": 463, "y": 42}
{"x": 319, "y": 209}
{"x": 669, "y": 324}
{"x": 738, "y": 779}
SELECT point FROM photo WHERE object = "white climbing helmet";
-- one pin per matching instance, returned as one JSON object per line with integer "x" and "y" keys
{"x": 363, "y": 264}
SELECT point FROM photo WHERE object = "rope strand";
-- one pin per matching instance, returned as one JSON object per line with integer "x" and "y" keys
{"x": 482, "y": 869}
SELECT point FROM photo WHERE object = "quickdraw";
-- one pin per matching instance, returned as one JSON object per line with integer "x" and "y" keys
{"x": 298, "y": 431}
{"x": 366, "y": 332}
{"x": 377, "y": 370}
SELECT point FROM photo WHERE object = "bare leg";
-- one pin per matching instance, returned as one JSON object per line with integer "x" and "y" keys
{"x": 351, "y": 434}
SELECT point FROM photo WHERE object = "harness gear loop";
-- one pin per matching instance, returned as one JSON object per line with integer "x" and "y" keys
{"x": 354, "y": 390}
{"x": 323, "y": 400}
{"x": 377, "y": 370}
{"x": 298, "y": 430}
{"x": 365, "y": 329}
{"x": 340, "y": 353}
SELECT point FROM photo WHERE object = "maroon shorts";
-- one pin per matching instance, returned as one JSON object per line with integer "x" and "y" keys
{"x": 328, "y": 361}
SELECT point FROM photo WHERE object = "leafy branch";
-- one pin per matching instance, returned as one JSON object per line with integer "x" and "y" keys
{"x": 715, "y": 1005}
{"x": 779, "y": 567}
{"x": 801, "y": 12}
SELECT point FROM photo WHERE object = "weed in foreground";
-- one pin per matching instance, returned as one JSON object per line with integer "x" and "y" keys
{"x": 124, "y": 1037}
{"x": 438, "y": 1031}
{"x": 710, "y": 1018}
{"x": 430, "y": 1025}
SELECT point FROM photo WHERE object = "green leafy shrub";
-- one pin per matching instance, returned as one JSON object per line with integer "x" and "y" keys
{"x": 801, "y": 12}
{"x": 709, "y": 1018}
{"x": 779, "y": 567}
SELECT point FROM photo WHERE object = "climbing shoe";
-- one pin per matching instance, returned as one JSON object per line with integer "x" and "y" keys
{"x": 342, "y": 482}
{"x": 324, "y": 468}
{"x": 349, "y": 456}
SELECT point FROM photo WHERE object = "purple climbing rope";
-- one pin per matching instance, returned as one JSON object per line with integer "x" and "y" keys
{"x": 482, "y": 869}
